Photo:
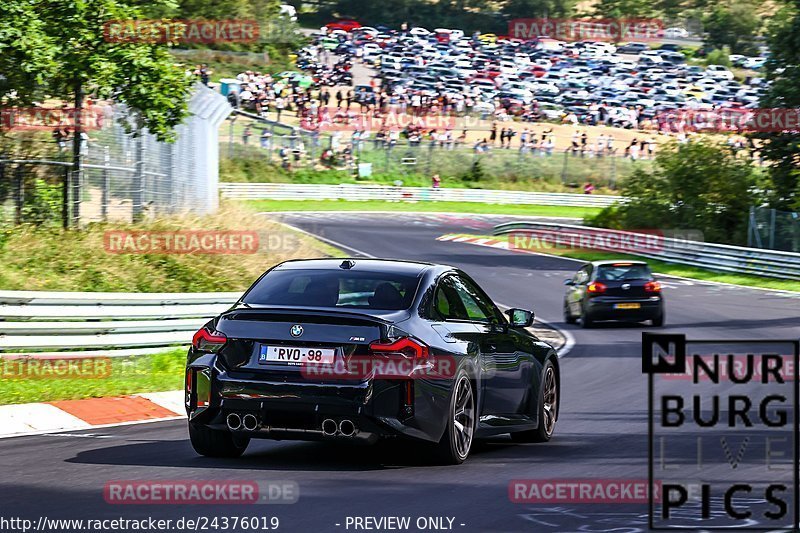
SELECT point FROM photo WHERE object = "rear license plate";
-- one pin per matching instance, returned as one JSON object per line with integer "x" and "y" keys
{"x": 627, "y": 306}
{"x": 296, "y": 355}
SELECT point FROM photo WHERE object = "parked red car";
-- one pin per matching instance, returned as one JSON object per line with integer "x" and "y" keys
{"x": 347, "y": 25}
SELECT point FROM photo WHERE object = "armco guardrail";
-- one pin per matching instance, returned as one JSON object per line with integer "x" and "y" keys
{"x": 283, "y": 191}
{"x": 720, "y": 257}
{"x": 77, "y": 320}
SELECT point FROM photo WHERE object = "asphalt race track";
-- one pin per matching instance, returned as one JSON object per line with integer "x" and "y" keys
{"x": 601, "y": 431}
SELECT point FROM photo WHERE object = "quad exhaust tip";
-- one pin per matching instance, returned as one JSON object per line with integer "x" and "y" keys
{"x": 250, "y": 422}
{"x": 347, "y": 428}
{"x": 329, "y": 427}
{"x": 234, "y": 421}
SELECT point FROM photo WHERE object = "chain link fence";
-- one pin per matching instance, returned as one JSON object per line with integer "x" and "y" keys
{"x": 773, "y": 229}
{"x": 250, "y": 136}
{"x": 123, "y": 177}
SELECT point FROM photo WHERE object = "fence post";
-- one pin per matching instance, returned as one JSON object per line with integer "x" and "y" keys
{"x": 75, "y": 180}
{"x": 772, "y": 229}
{"x": 65, "y": 199}
{"x": 230, "y": 136}
{"x": 138, "y": 178}
{"x": 20, "y": 193}
{"x": 173, "y": 193}
{"x": 106, "y": 185}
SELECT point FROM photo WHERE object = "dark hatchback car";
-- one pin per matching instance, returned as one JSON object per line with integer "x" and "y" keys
{"x": 613, "y": 290}
{"x": 357, "y": 350}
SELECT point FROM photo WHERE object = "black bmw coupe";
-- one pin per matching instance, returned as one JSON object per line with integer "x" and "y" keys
{"x": 362, "y": 349}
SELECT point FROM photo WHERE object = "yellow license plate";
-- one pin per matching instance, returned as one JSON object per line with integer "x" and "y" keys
{"x": 627, "y": 306}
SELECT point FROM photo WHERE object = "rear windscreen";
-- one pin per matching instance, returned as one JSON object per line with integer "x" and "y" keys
{"x": 623, "y": 272}
{"x": 341, "y": 288}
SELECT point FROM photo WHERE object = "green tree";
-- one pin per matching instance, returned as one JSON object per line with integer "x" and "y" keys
{"x": 141, "y": 75}
{"x": 700, "y": 185}
{"x": 538, "y": 8}
{"x": 734, "y": 26}
{"x": 782, "y": 149}
{"x": 61, "y": 52}
{"x": 625, "y": 9}
{"x": 27, "y": 53}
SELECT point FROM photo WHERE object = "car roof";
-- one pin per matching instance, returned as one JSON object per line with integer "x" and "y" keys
{"x": 607, "y": 262}
{"x": 370, "y": 265}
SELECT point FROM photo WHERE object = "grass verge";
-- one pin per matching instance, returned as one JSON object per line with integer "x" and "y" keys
{"x": 128, "y": 375}
{"x": 672, "y": 269}
{"x": 41, "y": 258}
{"x": 443, "y": 207}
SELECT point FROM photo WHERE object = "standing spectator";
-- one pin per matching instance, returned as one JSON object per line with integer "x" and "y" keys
{"x": 266, "y": 139}
{"x": 493, "y": 134}
{"x": 575, "y": 142}
{"x": 280, "y": 105}
{"x": 58, "y": 137}
{"x": 246, "y": 135}
{"x": 601, "y": 145}
{"x": 436, "y": 182}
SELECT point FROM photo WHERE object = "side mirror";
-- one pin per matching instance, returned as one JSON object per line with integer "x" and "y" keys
{"x": 569, "y": 282}
{"x": 520, "y": 318}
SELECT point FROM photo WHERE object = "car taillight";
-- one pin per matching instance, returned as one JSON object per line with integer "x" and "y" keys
{"x": 652, "y": 286}
{"x": 405, "y": 346}
{"x": 596, "y": 288}
{"x": 207, "y": 341}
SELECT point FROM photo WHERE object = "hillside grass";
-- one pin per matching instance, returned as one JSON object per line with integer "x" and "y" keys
{"x": 51, "y": 259}
{"x": 128, "y": 375}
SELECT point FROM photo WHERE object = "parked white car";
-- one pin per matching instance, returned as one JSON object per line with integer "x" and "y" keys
{"x": 676, "y": 33}
{"x": 754, "y": 63}
{"x": 719, "y": 72}
{"x": 289, "y": 12}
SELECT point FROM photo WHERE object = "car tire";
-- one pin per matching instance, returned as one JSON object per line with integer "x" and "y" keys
{"x": 568, "y": 318}
{"x": 658, "y": 321}
{"x": 586, "y": 320}
{"x": 548, "y": 409}
{"x": 216, "y": 443}
{"x": 459, "y": 433}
